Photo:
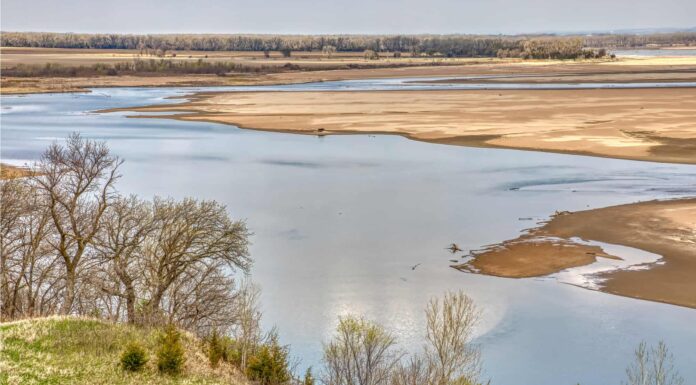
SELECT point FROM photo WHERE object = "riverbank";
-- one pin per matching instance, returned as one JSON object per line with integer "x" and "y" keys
{"x": 639, "y": 124}
{"x": 312, "y": 67}
{"x": 666, "y": 228}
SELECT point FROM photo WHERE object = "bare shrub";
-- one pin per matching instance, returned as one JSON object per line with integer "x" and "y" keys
{"x": 653, "y": 366}
{"x": 361, "y": 353}
{"x": 450, "y": 354}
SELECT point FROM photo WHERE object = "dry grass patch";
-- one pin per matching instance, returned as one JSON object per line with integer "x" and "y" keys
{"x": 60, "y": 350}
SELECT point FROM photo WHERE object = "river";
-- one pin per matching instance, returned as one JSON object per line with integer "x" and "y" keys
{"x": 340, "y": 221}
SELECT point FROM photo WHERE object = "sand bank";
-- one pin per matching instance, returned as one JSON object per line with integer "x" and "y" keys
{"x": 641, "y": 124}
{"x": 665, "y": 228}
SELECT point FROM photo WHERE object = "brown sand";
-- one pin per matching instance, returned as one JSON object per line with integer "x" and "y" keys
{"x": 10, "y": 172}
{"x": 666, "y": 228}
{"x": 532, "y": 255}
{"x": 642, "y": 124}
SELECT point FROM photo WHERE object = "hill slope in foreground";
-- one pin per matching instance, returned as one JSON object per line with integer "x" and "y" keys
{"x": 61, "y": 350}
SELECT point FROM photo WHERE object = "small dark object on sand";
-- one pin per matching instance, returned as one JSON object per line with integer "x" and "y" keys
{"x": 415, "y": 266}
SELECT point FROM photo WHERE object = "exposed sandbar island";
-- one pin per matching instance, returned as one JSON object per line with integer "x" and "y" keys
{"x": 665, "y": 228}
{"x": 642, "y": 124}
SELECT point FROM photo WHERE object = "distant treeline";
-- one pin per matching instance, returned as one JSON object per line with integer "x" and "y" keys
{"x": 446, "y": 45}
{"x": 640, "y": 41}
{"x": 172, "y": 67}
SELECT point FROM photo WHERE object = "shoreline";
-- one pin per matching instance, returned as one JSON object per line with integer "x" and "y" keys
{"x": 628, "y": 68}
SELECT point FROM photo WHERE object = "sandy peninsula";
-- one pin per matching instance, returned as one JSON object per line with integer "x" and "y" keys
{"x": 641, "y": 124}
{"x": 665, "y": 228}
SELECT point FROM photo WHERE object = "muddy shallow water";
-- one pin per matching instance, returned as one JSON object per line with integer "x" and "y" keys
{"x": 340, "y": 221}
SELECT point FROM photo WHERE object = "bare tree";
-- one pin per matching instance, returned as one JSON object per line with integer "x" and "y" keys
{"x": 70, "y": 244}
{"x": 247, "y": 330}
{"x": 12, "y": 210}
{"x": 27, "y": 268}
{"x": 370, "y": 55}
{"x": 361, "y": 353}
{"x": 654, "y": 366}
{"x": 451, "y": 355}
{"x": 328, "y": 50}
{"x": 205, "y": 299}
{"x": 415, "y": 371}
{"x": 76, "y": 180}
{"x": 186, "y": 234}
{"x": 127, "y": 224}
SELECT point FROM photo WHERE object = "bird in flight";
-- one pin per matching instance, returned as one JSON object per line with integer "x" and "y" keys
{"x": 415, "y": 266}
{"x": 453, "y": 248}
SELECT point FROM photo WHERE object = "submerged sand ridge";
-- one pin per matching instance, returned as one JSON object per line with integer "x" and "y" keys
{"x": 641, "y": 124}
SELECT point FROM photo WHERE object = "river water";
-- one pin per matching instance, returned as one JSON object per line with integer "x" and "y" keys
{"x": 654, "y": 52}
{"x": 340, "y": 221}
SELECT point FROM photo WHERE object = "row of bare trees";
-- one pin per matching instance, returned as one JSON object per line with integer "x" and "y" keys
{"x": 72, "y": 245}
{"x": 365, "y": 353}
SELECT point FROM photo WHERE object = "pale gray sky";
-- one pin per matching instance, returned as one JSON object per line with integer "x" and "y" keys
{"x": 341, "y": 16}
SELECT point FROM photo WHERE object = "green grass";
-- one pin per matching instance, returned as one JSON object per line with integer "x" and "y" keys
{"x": 79, "y": 351}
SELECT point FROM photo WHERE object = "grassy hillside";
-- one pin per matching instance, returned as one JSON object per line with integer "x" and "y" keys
{"x": 78, "y": 351}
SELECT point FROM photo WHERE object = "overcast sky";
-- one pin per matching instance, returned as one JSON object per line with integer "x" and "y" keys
{"x": 342, "y": 16}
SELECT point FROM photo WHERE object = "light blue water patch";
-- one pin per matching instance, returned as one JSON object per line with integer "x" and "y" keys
{"x": 653, "y": 52}
{"x": 592, "y": 276}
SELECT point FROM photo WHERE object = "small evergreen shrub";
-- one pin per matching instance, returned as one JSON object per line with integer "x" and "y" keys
{"x": 269, "y": 366}
{"x": 308, "y": 378}
{"x": 231, "y": 353}
{"x": 134, "y": 357}
{"x": 170, "y": 353}
{"x": 216, "y": 349}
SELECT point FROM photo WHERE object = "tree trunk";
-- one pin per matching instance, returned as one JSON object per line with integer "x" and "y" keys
{"x": 69, "y": 297}
{"x": 130, "y": 304}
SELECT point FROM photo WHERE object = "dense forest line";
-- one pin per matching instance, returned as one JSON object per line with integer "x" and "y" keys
{"x": 446, "y": 45}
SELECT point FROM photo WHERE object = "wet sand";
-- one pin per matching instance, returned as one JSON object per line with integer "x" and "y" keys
{"x": 533, "y": 254}
{"x": 640, "y": 124}
{"x": 666, "y": 228}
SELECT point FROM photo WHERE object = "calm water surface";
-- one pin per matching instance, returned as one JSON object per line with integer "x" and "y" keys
{"x": 339, "y": 221}
{"x": 654, "y": 52}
